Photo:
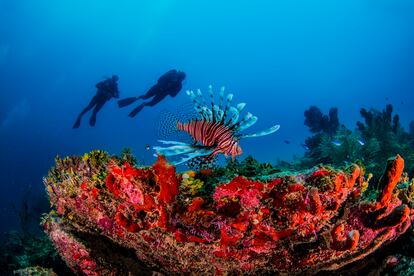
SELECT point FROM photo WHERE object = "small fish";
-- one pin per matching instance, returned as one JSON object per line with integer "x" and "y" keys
{"x": 361, "y": 142}
{"x": 287, "y": 142}
{"x": 147, "y": 147}
{"x": 305, "y": 146}
{"x": 336, "y": 143}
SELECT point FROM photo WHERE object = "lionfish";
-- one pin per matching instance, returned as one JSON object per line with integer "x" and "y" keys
{"x": 215, "y": 131}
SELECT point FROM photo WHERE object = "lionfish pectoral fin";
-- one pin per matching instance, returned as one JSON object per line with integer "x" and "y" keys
{"x": 197, "y": 153}
{"x": 179, "y": 148}
{"x": 172, "y": 142}
{"x": 173, "y": 150}
{"x": 262, "y": 133}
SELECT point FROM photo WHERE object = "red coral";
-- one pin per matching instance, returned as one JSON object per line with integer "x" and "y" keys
{"x": 315, "y": 203}
{"x": 342, "y": 241}
{"x": 249, "y": 192}
{"x": 126, "y": 182}
{"x": 195, "y": 205}
{"x": 133, "y": 186}
{"x": 166, "y": 179}
{"x": 389, "y": 180}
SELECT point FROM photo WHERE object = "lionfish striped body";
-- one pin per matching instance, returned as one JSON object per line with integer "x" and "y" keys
{"x": 216, "y": 132}
{"x": 214, "y": 135}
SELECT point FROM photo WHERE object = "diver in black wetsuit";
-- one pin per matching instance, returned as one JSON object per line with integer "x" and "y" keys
{"x": 106, "y": 90}
{"x": 168, "y": 84}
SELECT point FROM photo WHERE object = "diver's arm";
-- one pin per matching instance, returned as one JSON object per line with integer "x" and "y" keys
{"x": 115, "y": 92}
{"x": 99, "y": 85}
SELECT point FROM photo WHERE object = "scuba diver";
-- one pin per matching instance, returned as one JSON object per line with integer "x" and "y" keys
{"x": 106, "y": 90}
{"x": 168, "y": 84}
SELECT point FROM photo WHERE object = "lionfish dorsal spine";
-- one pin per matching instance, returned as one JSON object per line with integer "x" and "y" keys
{"x": 222, "y": 89}
{"x": 198, "y": 106}
{"x": 219, "y": 113}
{"x": 192, "y": 96}
{"x": 200, "y": 96}
{"x": 208, "y": 113}
{"x": 236, "y": 127}
{"x": 226, "y": 109}
{"x": 211, "y": 93}
{"x": 240, "y": 106}
{"x": 234, "y": 118}
{"x": 248, "y": 123}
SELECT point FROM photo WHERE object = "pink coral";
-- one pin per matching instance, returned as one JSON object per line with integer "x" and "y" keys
{"x": 72, "y": 251}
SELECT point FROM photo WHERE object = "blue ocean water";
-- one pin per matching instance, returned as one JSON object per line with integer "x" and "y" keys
{"x": 279, "y": 57}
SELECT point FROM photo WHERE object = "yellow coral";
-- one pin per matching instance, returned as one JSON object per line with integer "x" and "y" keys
{"x": 405, "y": 178}
{"x": 411, "y": 189}
{"x": 49, "y": 190}
{"x": 189, "y": 183}
{"x": 365, "y": 184}
{"x": 85, "y": 157}
{"x": 70, "y": 216}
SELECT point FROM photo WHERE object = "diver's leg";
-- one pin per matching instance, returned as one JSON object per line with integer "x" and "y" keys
{"x": 153, "y": 102}
{"x": 98, "y": 107}
{"x": 91, "y": 104}
{"x": 150, "y": 93}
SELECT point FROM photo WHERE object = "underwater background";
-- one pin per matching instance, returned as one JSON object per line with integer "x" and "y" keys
{"x": 280, "y": 57}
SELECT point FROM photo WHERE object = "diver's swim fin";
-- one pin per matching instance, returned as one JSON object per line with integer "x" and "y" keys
{"x": 136, "y": 110}
{"x": 92, "y": 120}
{"x": 77, "y": 123}
{"x": 127, "y": 101}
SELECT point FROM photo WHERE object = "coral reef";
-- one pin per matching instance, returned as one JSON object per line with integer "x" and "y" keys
{"x": 384, "y": 137}
{"x": 110, "y": 217}
{"x": 373, "y": 141}
{"x": 317, "y": 122}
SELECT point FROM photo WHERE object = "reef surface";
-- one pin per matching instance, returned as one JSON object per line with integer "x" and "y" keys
{"x": 111, "y": 217}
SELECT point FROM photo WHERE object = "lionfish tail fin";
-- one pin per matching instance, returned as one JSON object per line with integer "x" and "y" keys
{"x": 261, "y": 133}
